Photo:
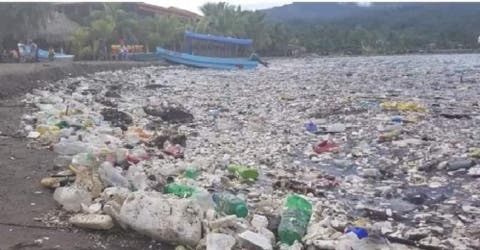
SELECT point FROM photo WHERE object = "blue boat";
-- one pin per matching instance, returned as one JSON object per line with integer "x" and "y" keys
{"x": 43, "y": 56}
{"x": 144, "y": 57}
{"x": 224, "y": 50}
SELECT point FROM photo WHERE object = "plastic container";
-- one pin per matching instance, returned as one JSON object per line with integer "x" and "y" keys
{"x": 389, "y": 136}
{"x": 359, "y": 231}
{"x": 182, "y": 191}
{"x": 137, "y": 178}
{"x": 295, "y": 217}
{"x": 229, "y": 204}
{"x": 62, "y": 161}
{"x": 397, "y": 119}
{"x": 62, "y": 124}
{"x": 311, "y": 127}
{"x": 72, "y": 197}
{"x": 244, "y": 172}
{"x": 69, "y": 147}
{"x": 191, "y": 173}
{"x": 83, "y": 159}
{"x": 110, "y": 176}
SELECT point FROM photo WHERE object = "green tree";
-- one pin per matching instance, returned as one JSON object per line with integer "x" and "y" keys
{"x": 22, "y": 20}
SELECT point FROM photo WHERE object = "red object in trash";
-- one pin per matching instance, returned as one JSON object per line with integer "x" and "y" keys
{"x": 324, "y": 146}
{"x": 136, "y": 159}
{"x": 174, "y": 150}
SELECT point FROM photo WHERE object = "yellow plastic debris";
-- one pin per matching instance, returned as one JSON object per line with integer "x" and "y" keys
{"x": 475, "y": 153}
{"x": 390, "y": 136}
{"x": 287, "y": 98}
{"x": 403, "y": 106}
{"x": 360, "y": 222}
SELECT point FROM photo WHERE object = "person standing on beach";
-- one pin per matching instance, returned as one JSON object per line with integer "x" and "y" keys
{"x": 51, "y": 54}
{"x": 34, "y": 51}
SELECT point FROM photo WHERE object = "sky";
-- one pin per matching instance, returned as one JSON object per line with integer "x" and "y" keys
{"x": 193, "y": 5}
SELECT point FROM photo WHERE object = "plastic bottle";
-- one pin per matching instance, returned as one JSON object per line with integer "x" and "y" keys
{"x": 110, "y": 176}
{"x": 69, "y": 147}
{"x": 62, "y": 124}
{"x": 229, "y": 204}
{"x": 182, "y": 191}
{"x": 295, "y": 217}
{"x": 203, "y": 199}
{"x": 311, "y": 127}
{"x": 389, "y": 136}
{"x": 191, "y": 173}
{"x": 137, "y": 178}
{"x": 397, "y": 119}
{"x": 57, "y": 181}
{"x": 244, "y": 172}
{"x": 62, "y": 161}
{"x": 83, "y": 159}
{"x": 71, "y": 197}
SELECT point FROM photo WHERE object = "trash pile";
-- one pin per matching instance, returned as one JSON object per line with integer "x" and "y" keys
{"x": 328, "y": 153}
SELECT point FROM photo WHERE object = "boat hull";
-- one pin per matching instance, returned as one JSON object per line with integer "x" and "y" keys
{"x": 205, "y": 62}
{"x": 144, "y": 57}
{"x": 43, "y": 56}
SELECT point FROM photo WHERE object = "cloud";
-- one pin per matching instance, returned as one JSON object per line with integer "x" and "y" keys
{"x": 193, "y": 5}
{"x": 364, "y": 4}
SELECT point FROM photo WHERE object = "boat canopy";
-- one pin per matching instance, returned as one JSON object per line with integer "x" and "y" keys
{"x": 220, "y": 39}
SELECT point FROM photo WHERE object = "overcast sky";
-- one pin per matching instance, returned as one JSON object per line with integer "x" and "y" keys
{"x": 193, "y": 5}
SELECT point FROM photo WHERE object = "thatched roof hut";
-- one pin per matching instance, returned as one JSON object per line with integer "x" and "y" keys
{"x": 57, "y": 29}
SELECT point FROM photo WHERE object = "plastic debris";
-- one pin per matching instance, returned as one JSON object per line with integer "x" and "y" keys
{"x": 252, "y": 240}
{"x": 228, "y": 204}
{"x": 359, "y": 231}
{"x": 72, "y": 197}
{"x": 217, "y": 241}
{"x": 295, "y": 218}
{"x": 245, "y": 173}
{"x": 92, "y": 221}
{"x": 325, "y": 146}
{"x": 154, "y": 214}
{"x": 397, "y": 150}
{"x": 311, "y": 127}
{"x": 403, "y": 106}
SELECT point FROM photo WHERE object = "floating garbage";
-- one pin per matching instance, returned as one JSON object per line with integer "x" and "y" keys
{"x": 403, "y": 106}
{"x": 229, "y": 204}
{"x": 295, "y": 217}
{"x": 382, "y": 150}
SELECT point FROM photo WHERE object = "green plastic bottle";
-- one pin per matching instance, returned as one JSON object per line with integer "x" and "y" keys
{"x": 244, "y": 173}
{"x": 229, "y": 204}
{"x": 295, "y": 217}
{"x": 182, "y": 191}
{"x": 62, "y": 124}
{"x": 191, "y": 173}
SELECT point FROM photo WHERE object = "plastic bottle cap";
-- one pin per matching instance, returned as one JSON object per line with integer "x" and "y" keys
{"x": 241, "y": 211}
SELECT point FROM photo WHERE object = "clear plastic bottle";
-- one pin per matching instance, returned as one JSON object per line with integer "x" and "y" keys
{"x": 72, "y": 197}
{"x": 62, "y": 161}
{"x": 83, "y": 159}
{"x": 137, "y": 178}
{"x": 229, "y": 204}
{"x": 69, "y": 147}
{"x": 110, "y": 176}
